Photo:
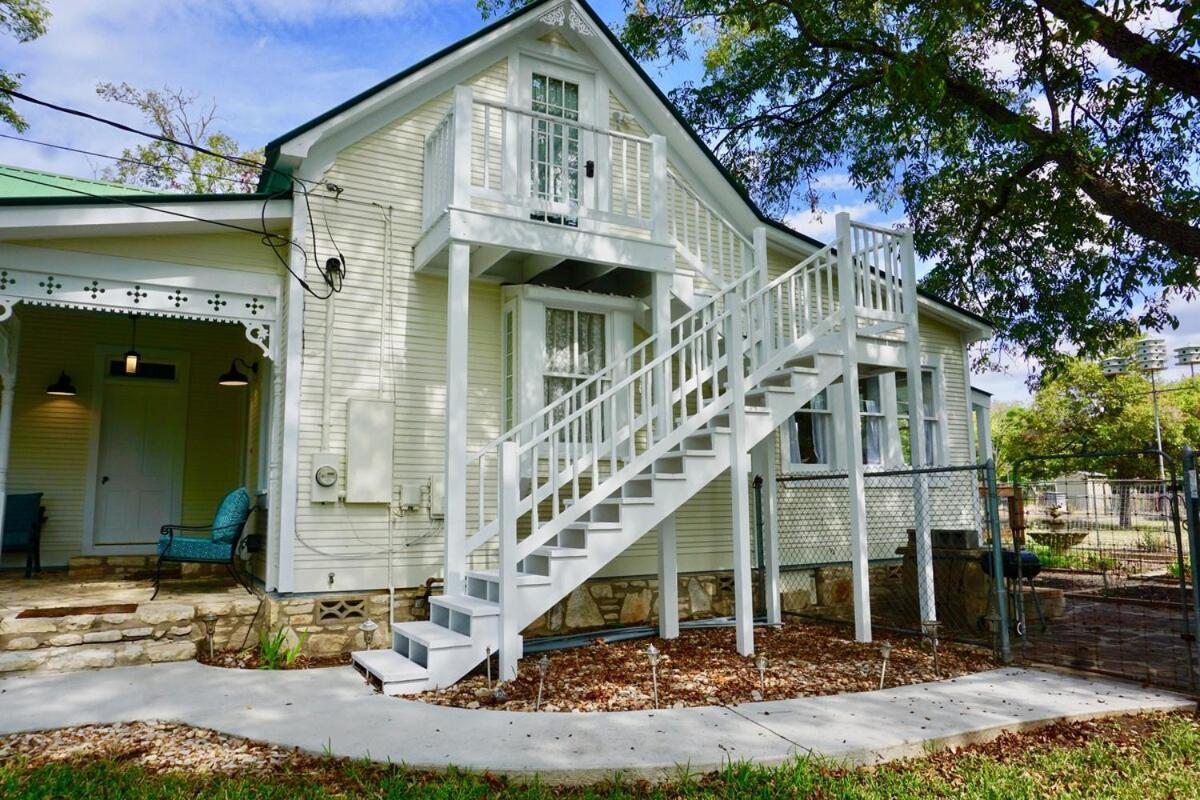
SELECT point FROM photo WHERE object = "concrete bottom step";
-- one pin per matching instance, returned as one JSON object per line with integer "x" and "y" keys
{"x": 389, "y": 671}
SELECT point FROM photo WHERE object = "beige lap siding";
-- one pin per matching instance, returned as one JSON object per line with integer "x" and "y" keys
{"x": 386, "y": 167}
{"x": 51, "y": 436}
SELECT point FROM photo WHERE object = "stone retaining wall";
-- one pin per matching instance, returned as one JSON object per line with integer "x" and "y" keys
{"x": 155, "y": 631}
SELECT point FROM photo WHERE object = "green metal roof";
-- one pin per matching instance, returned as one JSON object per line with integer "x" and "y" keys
{"x": 23, "y": 182}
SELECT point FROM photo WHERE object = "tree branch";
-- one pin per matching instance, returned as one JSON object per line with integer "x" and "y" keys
{"x": 1110, "y": 198}
{"x": 1130, "y": 48}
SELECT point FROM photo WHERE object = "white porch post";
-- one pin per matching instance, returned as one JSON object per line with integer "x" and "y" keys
{"x": 457, "y": 377}
{"x": 916, "y": 431}
{"x": 853, "y": 443}
{"x": 762, "y": 461}
{"x": 668, "y": 566}
{"x": 457, "y": 383}
{"x": 739, "y": 480}
{"x": 510, "y": 634}
{"x": 9, "y": 342}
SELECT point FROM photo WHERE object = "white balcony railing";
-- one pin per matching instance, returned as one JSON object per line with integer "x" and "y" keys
{"x": 488, "y": 156}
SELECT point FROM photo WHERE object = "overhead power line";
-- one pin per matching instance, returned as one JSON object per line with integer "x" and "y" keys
{"x": 109, "y": 156}
{"x": 333, "y": 273}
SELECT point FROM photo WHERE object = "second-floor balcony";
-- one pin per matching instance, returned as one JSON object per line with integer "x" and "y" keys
{"x": 530, "y": 187}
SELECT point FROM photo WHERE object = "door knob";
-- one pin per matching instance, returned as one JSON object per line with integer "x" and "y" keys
{"x": 104, "y": 480}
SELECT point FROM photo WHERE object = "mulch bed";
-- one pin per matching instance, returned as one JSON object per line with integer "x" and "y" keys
{"x": 249, "y": 659}
{"x": 155, "y": 746}
{"x": 702, "y": 668}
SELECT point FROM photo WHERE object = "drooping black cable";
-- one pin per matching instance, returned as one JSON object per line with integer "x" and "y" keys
{"x": 275, "y": 239}
{"x": 245, "y": 162}
{"x": 333, "y": 281}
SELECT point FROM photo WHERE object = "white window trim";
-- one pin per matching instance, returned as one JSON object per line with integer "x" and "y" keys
{"x": 893, "y": 454}
{"x": 833, "y": 397}
{"x": 531, "y": 303}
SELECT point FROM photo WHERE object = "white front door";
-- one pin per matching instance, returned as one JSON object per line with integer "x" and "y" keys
{"x": 139, "y": 466}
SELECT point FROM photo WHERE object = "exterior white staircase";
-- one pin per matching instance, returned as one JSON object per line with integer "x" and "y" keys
{"x": 569, "y": 489}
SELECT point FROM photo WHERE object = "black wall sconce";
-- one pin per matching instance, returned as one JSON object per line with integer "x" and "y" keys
{"x": 62, "y": 387}
{"x": 235, "y": 377}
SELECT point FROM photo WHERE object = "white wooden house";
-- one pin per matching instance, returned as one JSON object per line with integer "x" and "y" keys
{"x": 525, "y": 382}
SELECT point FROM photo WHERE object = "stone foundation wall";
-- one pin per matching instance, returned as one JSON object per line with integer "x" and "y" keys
{"x": 610, "y": 602}
{"x": 331, "y": 621}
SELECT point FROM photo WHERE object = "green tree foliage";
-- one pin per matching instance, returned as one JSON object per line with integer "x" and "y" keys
{"x": 1046, "y": 151}
{"x": 25, "y": 20}
{"x": 1081, "y": 410}
{"x": 169, "y": 166}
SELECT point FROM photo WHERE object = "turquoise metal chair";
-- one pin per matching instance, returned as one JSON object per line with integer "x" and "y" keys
{"x": 181, "y": 542}
{"x": 24, "y": 516}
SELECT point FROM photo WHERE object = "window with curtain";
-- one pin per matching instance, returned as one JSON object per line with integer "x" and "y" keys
{"x": 811, "y": 440}
{"x": 930, "y": 421}
{"x": 575, "y": 351}
{"x": 874, "y": 419}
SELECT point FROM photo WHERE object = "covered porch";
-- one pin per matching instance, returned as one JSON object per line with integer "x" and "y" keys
{"x": 135, "y": 394}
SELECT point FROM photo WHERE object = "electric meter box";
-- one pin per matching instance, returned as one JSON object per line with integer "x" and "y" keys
{"x": 326, "y": 478}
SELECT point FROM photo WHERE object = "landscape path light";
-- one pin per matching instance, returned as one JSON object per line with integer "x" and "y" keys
{"x": 885, "y": 650}
{"x": 543, "y": 666}
{"x": 929, "y": 627}
{"x": 760, "y": 662}
{"x": 368, "y": 628}
{"x": 210, "y": 628}
{"x": 652, "y": 656}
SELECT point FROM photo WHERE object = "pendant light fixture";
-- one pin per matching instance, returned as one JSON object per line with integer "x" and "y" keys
{"x": 62, "y": 387}
{"x": 132, "y": 356}
{"x": 235, "y": 377}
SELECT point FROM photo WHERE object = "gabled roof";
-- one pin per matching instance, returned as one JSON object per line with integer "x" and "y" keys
{"x": 23, "y": 182}
{"x": 271, "y": 178}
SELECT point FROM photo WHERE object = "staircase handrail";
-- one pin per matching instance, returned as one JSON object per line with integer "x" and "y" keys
{"x": 528, "y": 429}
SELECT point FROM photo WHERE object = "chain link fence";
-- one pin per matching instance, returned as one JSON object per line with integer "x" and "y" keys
{"x": 951, "y": 582}
{"x": 1113, "y": 592}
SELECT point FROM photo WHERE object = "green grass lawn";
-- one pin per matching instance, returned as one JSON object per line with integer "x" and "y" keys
{"x": 1142, "y": 757}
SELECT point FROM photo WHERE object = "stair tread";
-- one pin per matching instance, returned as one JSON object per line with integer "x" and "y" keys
{"x": 523, "y": 578}
{"x": 554, "y": 551}
{"x": 432, "y": 635}
{"x": 474, "y": 606}
{"x": 585, "y": 525}
{"x": 389, "y": 666}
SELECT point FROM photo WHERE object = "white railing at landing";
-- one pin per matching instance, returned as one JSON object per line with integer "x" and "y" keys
{"x": 479, "y": 156}
{"x": 879, "y": 256}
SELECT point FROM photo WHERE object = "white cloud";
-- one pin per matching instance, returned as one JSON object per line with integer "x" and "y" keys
{"x": 821, "y": 224}
{"x": 269, "y": 64}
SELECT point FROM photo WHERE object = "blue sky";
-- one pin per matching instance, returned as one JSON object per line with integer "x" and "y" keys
{"x": 272, "y": 64}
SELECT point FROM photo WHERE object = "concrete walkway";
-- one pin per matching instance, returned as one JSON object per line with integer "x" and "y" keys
{"x": 331, "y": 709}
